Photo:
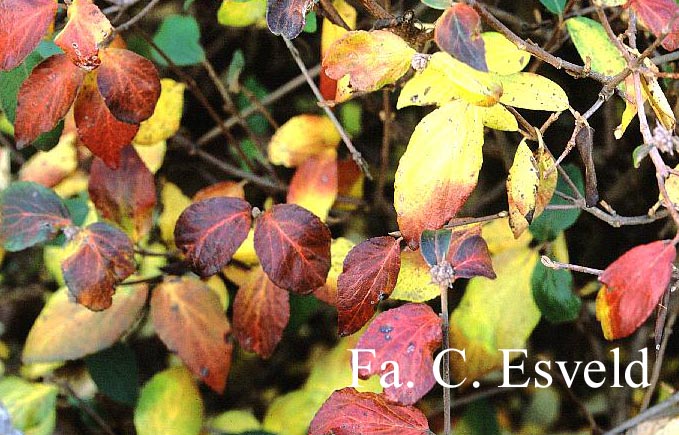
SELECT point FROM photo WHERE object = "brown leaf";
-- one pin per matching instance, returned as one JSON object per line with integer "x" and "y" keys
{"x": 22, "y": 24}
{"x": 407, "y": 335}
{"x": 188, "y": 318}
{"x": 293, "y": 247}
{"x": 129, "y": 84}
{"x": 126, "y": 195}
{"x": 224, "y": 188}
{"x": 86, "y": 28}
{"x": 261, "y": 312}
{"x": 458, "y": 31}
{"x": 103, "y": 257}
{"x": 369, "y": 276}
{"x": 56, "y": 77}
{"x": 210, "y": 231}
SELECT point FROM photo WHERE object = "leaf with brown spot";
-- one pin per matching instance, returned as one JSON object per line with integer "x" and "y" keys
{"x": 287, "y": 17}
{"x": 129, "y": 84}
{"x": 407, "y": 335}
{"x": 57, "y": 77}
{"x": 369, "y": 276}
{"x": 261, "y": 312}
{"x": 103, "y": 257}
{"x": 87, "y": 27}
{"x": 314, "y": 185}
{"x": 458, "y": 31}
{"x": 189, "y": 319}
{"x": 224, "y": 188}
{"x": 293, "y": 247}
{"x": 348, "y": 412}
{"x": 23, "y": 23}
{"x": 210, "y": 231}
{"x": 126, "y": 195}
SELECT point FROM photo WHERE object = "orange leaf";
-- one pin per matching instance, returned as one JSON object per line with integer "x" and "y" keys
{"x": 98, "y": 129}
{"x": 86, "y": 28}
{"x": 22, "y": 24}
{"x": 225, "y": 188}
{"x": 314, "y": 185}
{"x": 129, "y": 84}
{"x": 261, "y": 312}
{"x": 189, "y": 319}
{"x": 301, "y": 137}
{"x": 57, "y": 77}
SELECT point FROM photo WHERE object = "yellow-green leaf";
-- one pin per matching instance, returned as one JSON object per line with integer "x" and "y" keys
{"x": 291, "y": 413}
{"x": 174, "y": 202}
{"x": 498, "y": 118}
{"x": 548, "y": 176}
{"x": 522, "y": 189}
{"x": 532, "y": 91}
{"x": 502, "y": 56}
{"x": 236, "y": 13}
{"x": 31, "y": 406}
{"x": 234, "y": 421}
{"x": 166, "y": 117}
{"x": 169, "y": 404}
{"x": 591, "y": 41}
{"x": 439, "y": 169}
{"x": 499, "y": 237}
{"x": 414, "y": 279}
{"x": 301, "y": 137}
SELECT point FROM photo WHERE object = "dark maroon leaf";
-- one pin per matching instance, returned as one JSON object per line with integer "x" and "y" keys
{"x": 293, "y": 246}
{"x": 287, "y": 17}
{"x": 369, "y": 276}
{"x": 458, "y": 31}
{"x": 470, "y": 257}
{"x": 210, "y": 231}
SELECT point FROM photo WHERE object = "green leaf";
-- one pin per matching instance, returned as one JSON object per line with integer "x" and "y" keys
{"x": 351, "y": 114}
{"x": 554, "y": 6}
{"x": 31, "y": 406}
{"x": 553, "y": 294}
{"x": 115, "y": 372}
{"x": 479, "y": 418}
{"x": 49, "y": 139}
{"x": 311, "y": 24}
{"x": 11, "y": 82}
{"x": 437, "y": 4}
{"x": 179, "y": 38}
{"x": 550, "y": 223}
{"x": 640, "y": 153}
{"x": 235, "y": 68}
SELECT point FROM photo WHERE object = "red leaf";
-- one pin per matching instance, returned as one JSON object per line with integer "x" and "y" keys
{"x": 98, "y": 129}
{"x": 189, "y": 319}
{"x": 129, "y": 84}
{"x": 656, "y": 15}
{"x": 55, "y": 77}
{"x": 407, "y": 335}
{"x": 125, "y": 196}
{"x": 632, "y": 287}
{"x": 104, "y": 257}
{"x": 210, "y": 231}
{"x": 86, "y": 28}
{"x": 23, "y": 23}
{"x": 327, "y": 86}
{"x": 468, "y": 254}
{"x": 30, "y": 214}
{"x": 369, "y": 276}
{"x": 458, "y": 32}
{"x": 287, "y": 17}
{"x": 348, "y": 412}
{"x": 293, "y": 247}
{"x": 261, "y": 312}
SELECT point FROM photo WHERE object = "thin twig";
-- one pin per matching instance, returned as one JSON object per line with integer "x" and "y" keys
{"x": 458, "y": 222}
{"x": 660, "y": 355}
{"x": 658, "y": 409}
{"x": 91, "y": 412}
{"x": 132, "y": 21}
{"x": 557, "y": 265}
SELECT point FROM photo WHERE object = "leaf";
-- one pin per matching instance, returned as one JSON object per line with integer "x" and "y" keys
{"x": 549, "y": 224}
{"x": 115, "y": 372}
{"x": 293, "y": 247}
{"x": 434, "y": 245}
{"x": 502, "y": 56}
{"x": 553, "y": 294}
{"x": 30, "y": 214}
{"x": 522, "y": 189}
{"x": 152, "y": 155}
{"x": 67, "y": 331}
{"x": 301, "y": 137}
{"x": 291, "y": 413}
{"x": 169, "y": 403}
{"x": 189, "y": 319}
{"x": 287, "y": 17}
{"x": 314, "y": 184}
{"x": 51, "y": 167}
{"x": 554, "y": 6}
{"x": 222, "y": 188}
{"x": 368, "y": 277}
{"x": 86, "y": 29}
{"x": 103, "y": 256}
{"x": 23, "y": 23}
{"x": 498, "y": 118}
{"x": 469, "y": 255}
{"x": 129, "y": 84}
{"x": 591, "y": 41}
{"x": 174, "y": 203}
{"x": 32, "y": 406}
{"x": 127, "y": 195}
{"x": 437, "y": 4}
{"x": 632, "y": 287}
{"x": 532, "y": 91}
{"x": 656, "y": 15}
{"x": 166, "y": 117}
{"x": 261, "y": 312}
{"x": 339, "y": 249}
{"x": 458, "y": 31}
{"x": 406, "y": 335}
{"x": 182, "y": 28}
{"x": 234, "y": 421}
{"x": 11, "y": 83}
{"x": 329, "y": 35}
{"x": 210, "y": 231}
{"x": 492, "y": 315}
{"x": 235, "y": 13}
{"x": 439, "y": 169}
{"x": 371, "y": 59}
{"x": 57, "y": 77}
{"x": 414, "y": 279}
{"x": 350, "y": 412}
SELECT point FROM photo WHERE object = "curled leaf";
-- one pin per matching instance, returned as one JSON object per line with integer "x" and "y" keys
{"x": 87, "y": 27}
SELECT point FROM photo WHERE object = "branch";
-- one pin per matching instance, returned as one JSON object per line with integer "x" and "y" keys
{"x": 656, "y": 410}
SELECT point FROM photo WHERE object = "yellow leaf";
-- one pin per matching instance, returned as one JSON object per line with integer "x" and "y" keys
{"x": 301, "y": 137}
{"x": 31, "y": 406}
{"x": 657, "y": 99}
{"x": 499, "y": 237}
{"x": 547, "y": 178}
{"x": 414, "y": 279}
{"x": 498, "y": 118}
{"x": 495, "y": 314}
{"x": 532, "y": 91}
{"x": 174, "y": 202}
{"x": 522, "y": 189}
{"x": 219, "y": 288}
{"x": 166, "y": 117}
{"x": 339, "y": 248}
{"x": 73, "y": 184}
{"x": 502, "y": 56}
{"x": 332, "y": 32}
{"x": 439, "y": 169}
{"x": 152, "y": 155}
{"x": 236, "y": 13}
{"x": 39, "y": 370}
{"x": 51, "y": 167}
{"x": 246, "y": 251}
{"x": 371, "y": 59}
{"x": 446, "y": 78}
{"x": 234, "y": 421}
